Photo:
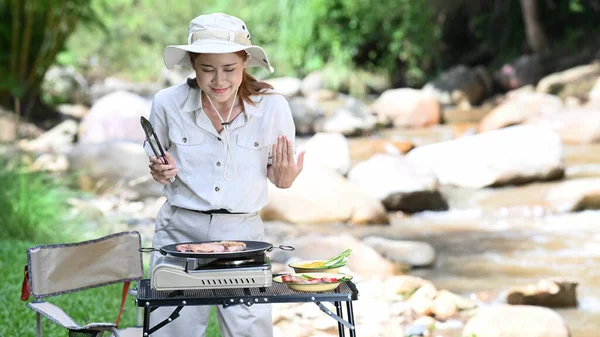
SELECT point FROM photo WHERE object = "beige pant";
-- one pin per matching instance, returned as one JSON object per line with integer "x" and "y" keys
{"x": 180, "y": 225}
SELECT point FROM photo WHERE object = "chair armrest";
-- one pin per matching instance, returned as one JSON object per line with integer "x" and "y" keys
{"x": 58, "y": 316}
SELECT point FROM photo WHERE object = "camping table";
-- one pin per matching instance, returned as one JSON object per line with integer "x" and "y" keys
{"x": 150, "y": 299}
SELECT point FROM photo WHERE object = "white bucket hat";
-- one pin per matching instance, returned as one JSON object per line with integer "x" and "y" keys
{"x": 217, "y": 33}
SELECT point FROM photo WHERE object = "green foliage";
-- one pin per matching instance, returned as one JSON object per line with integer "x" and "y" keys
{"x": 34, "y": 205}
{"x": 32, "y": 32}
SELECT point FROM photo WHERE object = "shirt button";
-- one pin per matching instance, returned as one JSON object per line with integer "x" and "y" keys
{"x": 255, "y": 144}
{"x": 218, "y": 163}
{"x": 185, "y": 140}
{"x": 217, "y": 189}
{"x": 219, "y": 138}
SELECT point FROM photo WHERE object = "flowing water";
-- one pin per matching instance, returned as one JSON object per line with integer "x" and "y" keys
{"x": 493, "y": 239}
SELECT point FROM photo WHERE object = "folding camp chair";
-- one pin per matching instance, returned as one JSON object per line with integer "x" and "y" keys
{"x": 66, "y": 268}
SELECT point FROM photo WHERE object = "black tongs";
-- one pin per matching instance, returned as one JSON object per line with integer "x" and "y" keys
{"x": 149, "y": 130}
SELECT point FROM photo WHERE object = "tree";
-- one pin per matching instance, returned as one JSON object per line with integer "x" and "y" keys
{"x": 32, "y": 32}
{"x": 536, "y": 37}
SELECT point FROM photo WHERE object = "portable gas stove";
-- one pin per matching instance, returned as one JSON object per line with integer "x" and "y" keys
{"x": 181, "y": 273}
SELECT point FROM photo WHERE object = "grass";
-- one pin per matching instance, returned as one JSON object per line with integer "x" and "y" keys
{"x": 34, "y": 210}
{"x": 34, "y": 205}
{"x": 92, "y": 305}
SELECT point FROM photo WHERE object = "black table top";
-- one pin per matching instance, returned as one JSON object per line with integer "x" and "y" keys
{"x": 277, "y": 293}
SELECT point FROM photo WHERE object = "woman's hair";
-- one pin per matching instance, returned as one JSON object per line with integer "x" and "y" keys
{"x": 249, "y": 86}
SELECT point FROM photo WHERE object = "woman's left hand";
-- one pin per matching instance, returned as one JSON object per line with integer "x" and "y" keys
{"x": 284, "y": 169}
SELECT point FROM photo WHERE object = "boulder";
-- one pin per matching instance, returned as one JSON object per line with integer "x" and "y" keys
{"x": 558, "y": 82}
{"x": 524, "y": 320}
{"x": 364, "y": 260}
{"x": 577, "y": 125}
{"x": 362, "y": 149}
{"x": 398, "y": 183}
{"x": 286, "y": 86}
{"x": 513, "y": 155}
{"x": 59, "y": 139}
{"x": 520, "y": 107}
{"x": 546, "y": 293}
{"x": 460, "y": 81}
{"x": 115, "y": 116}
{"x": 575, "y": 195}
{"x": 321, "y": 195}
{"x": 525, "y": 70}
{"x": 329, "y": 150}
{"x": 114, "y": 165}
{"x": 406, "y": 107}
{"x": 410, "y": 253}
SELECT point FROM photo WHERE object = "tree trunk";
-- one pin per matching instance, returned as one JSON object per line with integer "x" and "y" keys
{"x": 536, "y": 37}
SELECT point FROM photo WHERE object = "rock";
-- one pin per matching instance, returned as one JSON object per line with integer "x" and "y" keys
{"x": 557, "y": 82}
{"x": 345, "y": 122}
{"x": 524, "y": 321}
{"x": 412, "y": 253}
{"x": 422, "y": 300}
{"x": 74, "y": 110}
{"x": 452, "y": 115}
{"x": 312, "y": 82}
{"x": 547, "y": 293}
{"x": 111, "y": 85}
{"x": 115, "y": 116}
{"x": 447, "y": 305}
{"x": 458, "y": 81}
{"x": 402, "y": 285}
{"x": 362, "y": 149}
{"x": 329, "y": 150}
{"x": 525, "y": 70}
{"x": 398, "y": 183}
{"x": 65, "y": 85}
{"x": 575, "y": 195}
{"x": 176, "y": 75}
{"x": 579, "y": 125}
{"x": 519, "y": 108}
{"x": 51, "y": 163}
{"x": 286, "y": 86}
{"x": 307, "y": 115}
{"x": 59, "y": 139}
{"x": 406, "y": 107}
{"x": 594, "y": 94}
{"x": 364, "y": 260}
{"x": 102, "y": 167}
{"x": 513, "y": 155}
{"x": 353, "y": 119}
{"x": 321, "y": 195}
{"x": 7, "y": 128}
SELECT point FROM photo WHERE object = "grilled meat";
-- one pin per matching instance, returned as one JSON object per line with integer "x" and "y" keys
{"x": 212, "y": 247}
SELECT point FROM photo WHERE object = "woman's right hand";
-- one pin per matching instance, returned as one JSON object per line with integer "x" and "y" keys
{"x": 164, "y": 174}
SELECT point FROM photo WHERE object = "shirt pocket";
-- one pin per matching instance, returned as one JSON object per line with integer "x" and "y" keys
{"x": 188, "y": 148}
{"x": 254, "y": 148}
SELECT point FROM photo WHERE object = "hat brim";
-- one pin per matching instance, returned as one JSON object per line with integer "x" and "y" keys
{"x": 178, "y": 54}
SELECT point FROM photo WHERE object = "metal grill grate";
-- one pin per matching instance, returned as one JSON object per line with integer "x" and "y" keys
{"x": 276, "y": 293}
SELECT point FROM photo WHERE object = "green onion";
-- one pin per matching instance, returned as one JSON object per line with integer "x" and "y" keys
{"x": 338, "y": 260}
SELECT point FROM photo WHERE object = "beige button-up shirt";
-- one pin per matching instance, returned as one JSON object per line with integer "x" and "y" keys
{"x": 200, "y": 152}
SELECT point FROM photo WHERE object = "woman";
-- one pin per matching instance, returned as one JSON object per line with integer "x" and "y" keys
{"x": 224, "y": 133}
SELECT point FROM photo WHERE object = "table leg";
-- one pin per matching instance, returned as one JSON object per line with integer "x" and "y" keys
{"x": 350, "y": 313}
{"x": 146, "y": 327}
{"x": 338, "y": 309}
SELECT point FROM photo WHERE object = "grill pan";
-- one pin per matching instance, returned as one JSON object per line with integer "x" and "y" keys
{"x": 253, "y": 248}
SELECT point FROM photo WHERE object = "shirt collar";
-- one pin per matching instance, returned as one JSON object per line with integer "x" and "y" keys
{"x": 193, "y": 102}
